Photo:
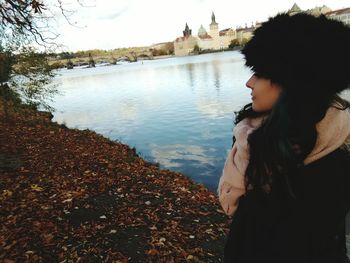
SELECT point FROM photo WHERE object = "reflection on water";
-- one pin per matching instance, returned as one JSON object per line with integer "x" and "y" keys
{"x": 176, "y": 111}
{"x": 172, "y": 155}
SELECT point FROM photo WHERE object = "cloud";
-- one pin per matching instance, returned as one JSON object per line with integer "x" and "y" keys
{"x": 113, "y": 15}
{"x": 176, "y": 155}
{"x": 142, "y": 23}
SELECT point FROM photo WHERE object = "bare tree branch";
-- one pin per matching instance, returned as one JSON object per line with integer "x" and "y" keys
{"x": 31, "y": 18}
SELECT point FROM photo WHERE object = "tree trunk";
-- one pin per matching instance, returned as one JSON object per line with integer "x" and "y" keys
{"x": 3, "y": 93}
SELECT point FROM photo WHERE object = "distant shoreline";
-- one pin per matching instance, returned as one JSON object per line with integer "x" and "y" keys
{"x": 84, "y": 61}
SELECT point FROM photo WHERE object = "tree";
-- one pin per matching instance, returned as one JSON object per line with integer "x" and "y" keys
{"x": 244, "y": 41}
{"x": 91, "y": 61}
{"x": 6, "y": 61}
{"x": 25, "y": 75}
{"x": 26, "y": 78}
{"x": 196, "y": 49}
{"x": 21, "y": 16}
{"x": 113, "y": 60}
{"x": 158, "y": 52}
{"x": 69, "y": 64}
{"x": 133, "y": 56}
{"x": 169, "y": 48}
{"x": 31, "y": 19}
{"x": 234, "y": 43}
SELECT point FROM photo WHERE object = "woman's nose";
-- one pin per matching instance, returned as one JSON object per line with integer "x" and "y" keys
{"x": 250, "y": 82}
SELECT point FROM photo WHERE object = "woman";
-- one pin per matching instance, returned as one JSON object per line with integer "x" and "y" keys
{"x": 286, "y": 180}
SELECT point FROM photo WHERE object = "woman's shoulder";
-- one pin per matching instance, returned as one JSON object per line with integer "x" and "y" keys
{"x": 340, "y": 157}
{"x": 247, "y": 125}
{"x": 333, "y": 132}
{"x": 330, "y": 172}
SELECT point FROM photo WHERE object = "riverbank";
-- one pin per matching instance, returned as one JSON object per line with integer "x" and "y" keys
{"x": 74, "y": 195}
{"x": 100, "y": 61}
{"x": 107, "y": 61}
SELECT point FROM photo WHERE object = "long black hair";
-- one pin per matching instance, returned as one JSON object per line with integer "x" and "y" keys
{"x": 283, "y": 140}
{"x": 289, "y": 50}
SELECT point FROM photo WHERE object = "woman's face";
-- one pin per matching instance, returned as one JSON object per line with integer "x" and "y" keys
{"x": 264, "y": 93}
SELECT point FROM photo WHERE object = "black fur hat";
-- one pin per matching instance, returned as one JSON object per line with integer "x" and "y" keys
{"x": 307, "y": 55}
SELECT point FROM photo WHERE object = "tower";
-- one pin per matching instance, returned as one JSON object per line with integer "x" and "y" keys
{"x": 187, "y": 32}
{"x": 213, "y": 26}
{"x": 214, "y": 32}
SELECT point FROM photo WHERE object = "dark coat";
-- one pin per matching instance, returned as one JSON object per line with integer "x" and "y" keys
{"x": 272, "y": 227}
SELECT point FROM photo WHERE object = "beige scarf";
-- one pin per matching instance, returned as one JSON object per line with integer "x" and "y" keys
{"x": 333, "y": 132}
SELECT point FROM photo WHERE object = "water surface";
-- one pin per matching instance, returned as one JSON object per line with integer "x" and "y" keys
{"x": 175, "y": 111}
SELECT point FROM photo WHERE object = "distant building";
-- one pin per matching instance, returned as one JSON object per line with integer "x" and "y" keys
{"x": 245, "y": 33}
{"x": 226, "y": 36}
{"x": 294, "y": 10}
{"x": 317, "y": 11}
{"x": 258, "y": 24}
{"x": 204, "y": 40}
{"x": 185, "y": 45}
{"x": 214, "y": 40}
{"x": 342, "y": 15}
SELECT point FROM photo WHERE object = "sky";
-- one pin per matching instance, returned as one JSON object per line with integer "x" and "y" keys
{"x": 109, "y": 24}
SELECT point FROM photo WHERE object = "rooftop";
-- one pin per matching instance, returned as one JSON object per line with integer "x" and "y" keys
{"x": 338, "y": 12}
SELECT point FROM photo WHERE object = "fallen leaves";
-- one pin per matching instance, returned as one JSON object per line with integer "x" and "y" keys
{"x": 153, "y": 252}
{"x": 6, "y": 193}
{"x": 80, "y": 197}
{"x": 36, "y": 188}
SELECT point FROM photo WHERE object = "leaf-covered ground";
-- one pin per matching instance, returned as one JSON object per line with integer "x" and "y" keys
{"x": 68, "y": 195}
